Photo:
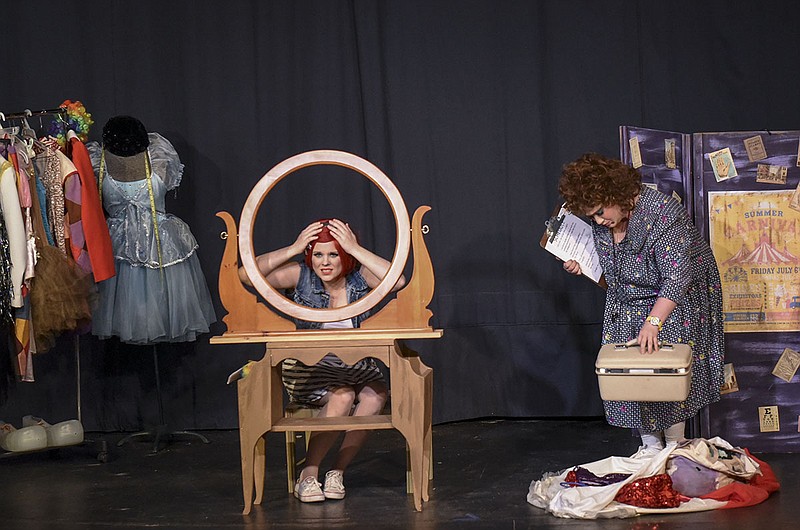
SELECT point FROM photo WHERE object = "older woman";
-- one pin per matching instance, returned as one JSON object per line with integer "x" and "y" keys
{"x": 663, "y": 286}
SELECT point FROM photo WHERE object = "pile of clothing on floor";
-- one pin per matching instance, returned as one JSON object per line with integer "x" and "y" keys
{"x": 695, "y": 475}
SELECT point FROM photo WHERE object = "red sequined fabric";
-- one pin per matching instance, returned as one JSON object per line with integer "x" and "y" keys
{"x": 650, "y": 492}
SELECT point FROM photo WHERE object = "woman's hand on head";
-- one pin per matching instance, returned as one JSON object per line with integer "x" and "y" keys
{"x": 344, "y": 235}
{"x": 306, "y": 237}
{"x": 572, "y": 266}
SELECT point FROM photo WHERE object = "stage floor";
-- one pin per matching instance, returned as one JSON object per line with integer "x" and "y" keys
{"x": 482, "y": 470}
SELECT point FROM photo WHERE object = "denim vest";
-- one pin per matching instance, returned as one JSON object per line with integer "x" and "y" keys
{"x": 311, "y": 293}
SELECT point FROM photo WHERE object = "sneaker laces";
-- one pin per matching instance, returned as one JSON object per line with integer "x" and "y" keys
{"x": 333, "y": 480}
{"x": 308, "y": 482}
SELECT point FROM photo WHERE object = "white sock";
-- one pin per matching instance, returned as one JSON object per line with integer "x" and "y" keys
{"x": 674, "y": 434}
{"x": 652, "y": 439}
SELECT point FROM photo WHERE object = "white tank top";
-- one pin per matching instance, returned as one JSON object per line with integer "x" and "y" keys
{"x": 340, "y": 324}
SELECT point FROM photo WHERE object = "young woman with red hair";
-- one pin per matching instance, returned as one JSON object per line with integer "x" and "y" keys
{"x": 335, "y": 271}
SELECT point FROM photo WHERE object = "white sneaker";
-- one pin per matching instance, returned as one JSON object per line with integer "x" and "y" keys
{"x": 334, "y": 484}
{"x": 61, "y": 434}
{"x": 22, "y": 440}
{"x": 646, "y": 452}
{"x": 308, "y": 490}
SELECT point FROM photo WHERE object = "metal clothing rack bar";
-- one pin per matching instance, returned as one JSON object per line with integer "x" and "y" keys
{"x": 27, "y": 113}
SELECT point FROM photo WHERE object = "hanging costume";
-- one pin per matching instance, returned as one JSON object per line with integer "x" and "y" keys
{"x": 15, "y": 228}
{"x": 7, "y": 357}
{"x": 61, "y": 292}
{"x": 159, "y": 293}
{"x": 23, "y": 333}
{"x": 40, "y": 191}
{"x": 88, "y": 224}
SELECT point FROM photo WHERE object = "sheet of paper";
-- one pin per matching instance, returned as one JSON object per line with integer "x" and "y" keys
{"x": 722, "y": 164}
{"x": 768, "y": 419}
{"x": 771, "y": 174}
{"x": 636, "y": 153}
{"x": 755, "y": 148}
{"x": 730, "y": 384}
{"x": 669, "y": 153}
{"x": 574, "y": 240}
{"x": 787, "y": 365}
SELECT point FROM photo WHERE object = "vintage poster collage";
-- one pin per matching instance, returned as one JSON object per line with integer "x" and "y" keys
{"x": 754, "y": 236}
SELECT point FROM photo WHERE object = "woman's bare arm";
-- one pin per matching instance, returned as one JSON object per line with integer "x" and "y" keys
{"x": 276, "y": 266}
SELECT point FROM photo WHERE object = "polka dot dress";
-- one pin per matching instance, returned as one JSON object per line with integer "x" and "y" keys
{"x": 663, "y": 255}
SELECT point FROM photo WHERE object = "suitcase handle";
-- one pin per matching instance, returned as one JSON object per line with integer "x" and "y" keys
{"x": 632, "y": 343}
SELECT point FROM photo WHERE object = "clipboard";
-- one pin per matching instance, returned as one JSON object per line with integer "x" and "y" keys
{"x": 567, "y": 236}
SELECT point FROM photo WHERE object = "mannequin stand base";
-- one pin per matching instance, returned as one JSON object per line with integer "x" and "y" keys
{"x": 157, "y": 434}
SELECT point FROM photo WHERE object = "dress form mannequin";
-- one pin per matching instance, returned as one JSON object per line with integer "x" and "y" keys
{"x": 159, "y": 293}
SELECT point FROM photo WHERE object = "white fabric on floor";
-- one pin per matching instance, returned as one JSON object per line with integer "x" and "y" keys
{"x": 596, "y": 502}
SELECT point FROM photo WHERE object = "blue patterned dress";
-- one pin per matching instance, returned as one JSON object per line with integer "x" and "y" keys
{"x": 663, "y": 255}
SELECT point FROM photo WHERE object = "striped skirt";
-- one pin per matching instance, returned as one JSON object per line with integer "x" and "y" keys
{"x": 306, "y": 385}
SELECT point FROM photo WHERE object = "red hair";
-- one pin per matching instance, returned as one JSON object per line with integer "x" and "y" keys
{"x": 348, "y": 262}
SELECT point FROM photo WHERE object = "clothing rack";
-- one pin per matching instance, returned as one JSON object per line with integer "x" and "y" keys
{"x": 102, "y": 454}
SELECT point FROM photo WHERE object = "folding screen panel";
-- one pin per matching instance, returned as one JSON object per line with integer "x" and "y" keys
{"x": 741, "y": 188}
{"x": 748, "y": 209}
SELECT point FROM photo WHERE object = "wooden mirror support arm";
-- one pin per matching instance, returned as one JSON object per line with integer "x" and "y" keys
{"x": 246, "y": 315}
{"x": 409, "y": 310}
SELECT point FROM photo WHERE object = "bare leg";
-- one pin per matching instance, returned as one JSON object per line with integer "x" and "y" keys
{"x": 371, "y": 399}
{"x": 339, "y": 402}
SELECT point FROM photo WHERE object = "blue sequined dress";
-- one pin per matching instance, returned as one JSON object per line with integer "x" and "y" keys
{"x": 159, "y": 293}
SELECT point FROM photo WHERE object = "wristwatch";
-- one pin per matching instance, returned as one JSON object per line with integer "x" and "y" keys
{"x": 654, "y": 320}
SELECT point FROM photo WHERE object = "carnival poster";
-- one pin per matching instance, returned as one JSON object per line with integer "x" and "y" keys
{"x": 754, "y": 238}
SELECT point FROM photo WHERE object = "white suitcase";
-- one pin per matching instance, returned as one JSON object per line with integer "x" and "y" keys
{"x": 624, "y": 374}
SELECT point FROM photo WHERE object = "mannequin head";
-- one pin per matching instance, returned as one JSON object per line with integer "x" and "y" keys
{"x": 124, "y": 136}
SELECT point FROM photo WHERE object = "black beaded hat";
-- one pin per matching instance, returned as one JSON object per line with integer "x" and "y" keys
{"x": 125, "y": 136}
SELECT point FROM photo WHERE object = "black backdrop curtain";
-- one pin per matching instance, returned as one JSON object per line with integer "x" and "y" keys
{"x": 470, "y": 107}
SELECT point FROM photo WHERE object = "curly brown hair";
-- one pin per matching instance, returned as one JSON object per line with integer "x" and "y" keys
{"x": 595, "y": 180}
